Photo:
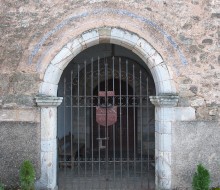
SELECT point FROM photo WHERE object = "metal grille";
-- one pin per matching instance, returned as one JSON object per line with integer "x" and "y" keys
{"x": 106, "y": 126}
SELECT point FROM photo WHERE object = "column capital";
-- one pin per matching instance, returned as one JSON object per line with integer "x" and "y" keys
{"x": 48, "y": 101}
{"x": 165, "y": 100}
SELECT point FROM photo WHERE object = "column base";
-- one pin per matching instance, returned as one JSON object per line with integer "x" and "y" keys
{"x": 39, "y": 185}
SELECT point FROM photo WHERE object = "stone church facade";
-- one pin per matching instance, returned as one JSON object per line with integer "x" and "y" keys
{"x": 179, "y": 43}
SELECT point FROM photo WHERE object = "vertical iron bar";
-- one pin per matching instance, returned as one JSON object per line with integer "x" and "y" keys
{"x": 127, "y": 117}
{"x": 113, "y": 87}
{"x": 78, "y": 117}
{"x": 141, "y": 122}
{"x": 106, "y": 128}
{"x": 134, "y": 102}
{"x": 120, "y": 115}
{"x": 99, "y": 105}
{"x": 148, "y": 136}
{"x": 71, "y": 119}
{"x": 92, "y": 109}
{"x": 85, "y": 113}
{"x": 64, "y": 125}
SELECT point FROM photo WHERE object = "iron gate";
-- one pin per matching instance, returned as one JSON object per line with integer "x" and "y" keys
{"x": 106, "y": 126}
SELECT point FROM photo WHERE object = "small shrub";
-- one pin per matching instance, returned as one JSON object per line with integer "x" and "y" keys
{"x": 27, "y": 175}
{"x": 1, "y": 186}
{"x": 201, "y": 178}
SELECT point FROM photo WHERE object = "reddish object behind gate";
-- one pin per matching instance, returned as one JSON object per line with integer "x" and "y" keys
{"x": 109, "y": 112}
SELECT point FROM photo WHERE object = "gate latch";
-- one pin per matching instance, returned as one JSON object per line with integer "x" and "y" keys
{"x": 100, "y": 142}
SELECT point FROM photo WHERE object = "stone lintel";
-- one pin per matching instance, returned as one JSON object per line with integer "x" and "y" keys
{"x": 166, "y": 100}
{"x": 48, "y": 101}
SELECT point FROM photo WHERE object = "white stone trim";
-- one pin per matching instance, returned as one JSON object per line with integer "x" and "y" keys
{"x": 48, "y": 88}
{"x": 164, "y": 118}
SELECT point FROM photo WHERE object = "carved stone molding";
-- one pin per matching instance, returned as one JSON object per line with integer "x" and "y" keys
{"x": 48, "y": 101}
{"x": 166, "y": 100}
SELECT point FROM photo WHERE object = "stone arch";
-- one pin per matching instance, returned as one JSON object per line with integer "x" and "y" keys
{"x": 162, "y": 76}
{"x": 165, "y": 100}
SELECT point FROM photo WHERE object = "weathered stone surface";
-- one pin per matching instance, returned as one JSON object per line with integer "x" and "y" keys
{"x": 194, "y": 89}
{"x": 15, "y": 101}
{"x": 202, "y": 113}
{"x": 19, "y": 141}
{"x": 197, "y": 102}
{"x": 193, "y": 143}
{"x": 207, "y": 41}
{"x": 22, "y": 83}
{"x": 215, "y": 15}
{"x": 20, "y": 115}
{"x": 185, "y": 40}
{"x": 213, "y": 112}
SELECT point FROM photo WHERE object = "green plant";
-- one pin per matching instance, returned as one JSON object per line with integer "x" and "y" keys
{"x": 1, "y": 186}
{"x": 216, "y": 188}
{"x": 27, "y": 175}
{"x": 201, "y": 178}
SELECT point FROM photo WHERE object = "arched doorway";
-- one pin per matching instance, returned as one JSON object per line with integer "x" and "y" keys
{"x": 165, "y": 100}
{"x": 106, "y": 121}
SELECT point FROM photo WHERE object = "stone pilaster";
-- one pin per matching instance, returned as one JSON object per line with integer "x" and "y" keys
{"x": 164, "y": 117}
{"x": 48, "y": 104}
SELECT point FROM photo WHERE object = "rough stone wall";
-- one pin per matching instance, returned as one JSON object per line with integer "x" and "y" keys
{"x": 19, "y": 141}
{"x": 185, "y": 32}
{"x": 193, "y": 143}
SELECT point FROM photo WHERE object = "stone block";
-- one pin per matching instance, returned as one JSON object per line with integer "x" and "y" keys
{"x": 143, "y": 46}
{"x": 156, "y": 59}
{"x": 164, "y": 142}
{"x": 166, "y": 87}
{"x": 213, "y": 112}
{"x": 184, "y": 113}
{"x": 48, "y": 123}
{"x": 14, "y": 101}
{"x": 198, "y": 102}
{"x": 52, "y": 74}
{"x": 104, "y": 32}
{"x": 63, "y": 54}
{"x": 93, "y": 34}
{"x": 48, "y": 89}
{"x": 215, "y": 15}
{"x": 63, "y": 64}
{"x": 117, "y": 33}
{"x": 163, "y": 72}
{"x": 130, "y": 39}
{"x": 74, "y": 46}
{"x": 20, "y": 115}
{"x": 163, "y": 127}
{"x": 207, "y": 41}
{"x": 49, "y": 145}
{"x": 23, "y": 83}
{"x": 91, "y": 38}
